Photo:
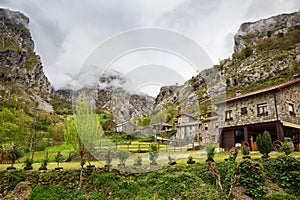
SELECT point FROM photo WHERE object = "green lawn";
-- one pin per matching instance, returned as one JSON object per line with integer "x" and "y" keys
{"x": 180, "y": 156}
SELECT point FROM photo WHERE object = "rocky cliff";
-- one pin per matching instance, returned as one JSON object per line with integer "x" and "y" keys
{"x": 266, "y": 52}
{"x": 20, "y": 66}
{"x": 250, "y": 33}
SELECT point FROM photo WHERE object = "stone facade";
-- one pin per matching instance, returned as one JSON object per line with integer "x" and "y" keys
{"x": 209, "y": 131}
{"x": 187, "y": 128}
{"x": 275, "y": 109}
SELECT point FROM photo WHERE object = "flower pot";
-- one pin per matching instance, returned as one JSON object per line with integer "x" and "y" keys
{"x": 11, "y": 168}
{"x": 153, "y": 163}
{"x": 172, "y": 163}
{"x": 265, "y": 157}
{"x": 190, "y": 162}
{"x": 58, "y": 168}
{"x": 246, "y": 157}
{"x": 43, "y": 168}
{"x": 90, "y": 166}
{"x": 28, "y": 168}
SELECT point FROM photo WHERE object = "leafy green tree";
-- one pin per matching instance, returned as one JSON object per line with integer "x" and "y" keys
{"x": 146, "y": 121}
{"x": 14, "y": 153}
{"x": 264, "y": 143}
{"x": 87, "y": 124}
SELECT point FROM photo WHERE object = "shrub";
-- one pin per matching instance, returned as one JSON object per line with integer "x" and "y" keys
{"x": 251, "y": 177}
{"x": 14, "y": 153}
{"x": 285, "y": 171}
{"x": 138, "y": 160}
{"x": 287, "y": 147}
{"x": 281, "y": 196}
{"x": 55, "y": 192}
{"x": 264, "y": 143}
{"x": 28, "y": 164}
{"x": 210, "y": 152}
{"x": 58, "y": 158}
{"x": 123, "y": 155}
{"x": 153, "y": 154}
{"x": 44, "y": 164}
{"x": 108, "y": 157}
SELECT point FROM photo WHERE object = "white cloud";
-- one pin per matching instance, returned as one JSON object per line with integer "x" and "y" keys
{"x": 65, "y": 32}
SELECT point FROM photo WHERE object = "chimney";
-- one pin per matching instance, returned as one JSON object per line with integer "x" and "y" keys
{"x": 238, "y": 93}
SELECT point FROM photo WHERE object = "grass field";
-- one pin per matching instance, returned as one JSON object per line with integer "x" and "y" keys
{"x": 180, "y": 157}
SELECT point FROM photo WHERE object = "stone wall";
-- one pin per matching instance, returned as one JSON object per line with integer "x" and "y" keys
{"x": 286, "y": 96}
{"x": 209, "y": 131}
{"x": 251, "y": 104}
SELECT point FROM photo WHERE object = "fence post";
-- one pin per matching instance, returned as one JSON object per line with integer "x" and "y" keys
{"x": 139, "y": 150}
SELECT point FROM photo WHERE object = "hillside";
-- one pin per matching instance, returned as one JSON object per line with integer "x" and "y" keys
{"x": 25, "y": 91}
{"x": 266, "y": 52}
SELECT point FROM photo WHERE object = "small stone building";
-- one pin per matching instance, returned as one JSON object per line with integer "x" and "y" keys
{"x": 275, "y": 109}
{"x": 187, "y": 128}
{"x": 125, "y": 127}
{"x": 209, "y": 131}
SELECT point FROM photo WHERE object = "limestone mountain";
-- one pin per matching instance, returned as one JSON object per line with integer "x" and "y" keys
{"x": 112, "y": 96}
{"x": 266, "y": 52}
{"x": 26, "y": 114}
{"x": 20, "y": 66}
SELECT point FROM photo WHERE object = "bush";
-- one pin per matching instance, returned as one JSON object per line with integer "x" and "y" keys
{"x": 264, "y": 143}
{"x": 285, "y": 171}
{"x": 251, "y": 177}
{"x": 210, "y": 152}
{"x": 280, "y": 196}
{"x": 56, "y": 192}
{"x": 123, "y": 155}
{"x": 28, "y": 164}
{"x": 287, "y": 147}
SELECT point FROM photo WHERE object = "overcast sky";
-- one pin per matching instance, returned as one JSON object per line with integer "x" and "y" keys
{"x": 65, "y": 32}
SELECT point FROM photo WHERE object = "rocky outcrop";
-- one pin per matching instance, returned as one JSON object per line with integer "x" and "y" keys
{"x": 266, "y": 52}
{"x": 251, "y": 32}
{"x": 19, "y": 63}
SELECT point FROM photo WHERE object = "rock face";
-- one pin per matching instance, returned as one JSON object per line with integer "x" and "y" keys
{"x": 266, "y": 52}
{"x": 250, "y": 32}
{"x": 19, "y": 63}
{"x": 121, "y": 103}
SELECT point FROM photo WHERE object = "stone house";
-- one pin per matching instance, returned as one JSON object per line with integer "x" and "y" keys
{"x": 209, "y": 130}
{"x": 275, "y": 109}
{"x": 125, "y": 127}
{"x": 187, "y": 128}
{"x": 161, "y": 127}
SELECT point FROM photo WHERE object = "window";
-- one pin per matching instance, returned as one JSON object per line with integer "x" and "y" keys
{"x": 244, "y": 111}
{"x": 262, "y": 109}
{"x": 228, "y": 115}
{"x": 291, "y": 109}
{"x": 206, "y": 127}
{"x": 213, "y": 138}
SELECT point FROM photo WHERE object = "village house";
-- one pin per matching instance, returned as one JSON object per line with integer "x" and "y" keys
{"x": 125, "y": 127}
{"x": 161, "y": 127}
{"x": 209, "y": 130}
{"x": 187, "y": 128}
{"x": 275, "y": 109}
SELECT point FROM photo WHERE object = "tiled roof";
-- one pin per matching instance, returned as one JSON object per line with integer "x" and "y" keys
{"x": 185, "y": 115}
{"x": 283, "y": 85}
{"x": 210, "y": 118}
{"x": 189, "y": 124}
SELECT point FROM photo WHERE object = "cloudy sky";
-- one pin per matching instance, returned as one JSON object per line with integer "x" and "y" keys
{"x": 66, "y": 32}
